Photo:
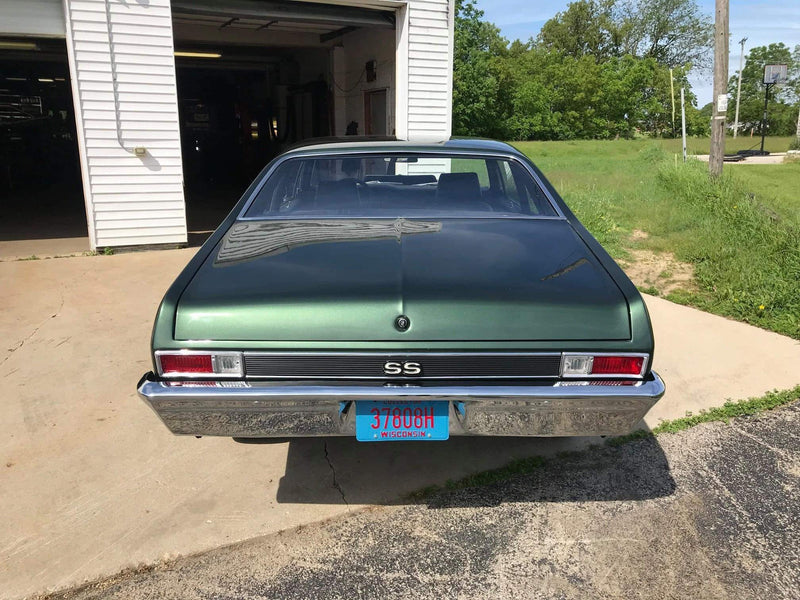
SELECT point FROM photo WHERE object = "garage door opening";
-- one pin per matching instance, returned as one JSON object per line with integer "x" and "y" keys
{"x": 255, "y": 78}
{"x": 41, "y": 190}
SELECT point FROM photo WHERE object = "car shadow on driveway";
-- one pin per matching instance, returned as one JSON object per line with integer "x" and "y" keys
{"x": 344, "y": 471}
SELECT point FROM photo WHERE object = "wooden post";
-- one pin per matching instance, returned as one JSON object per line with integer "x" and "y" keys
{"x": 719, "y": 102}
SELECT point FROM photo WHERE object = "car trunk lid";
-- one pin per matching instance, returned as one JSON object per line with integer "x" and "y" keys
{"x": 456, "y": 280}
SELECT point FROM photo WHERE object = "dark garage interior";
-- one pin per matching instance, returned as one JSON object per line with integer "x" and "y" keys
{"x": 237, "y": 114}
{"x": 254, "y": 78}
{"x": 41, "y": 192}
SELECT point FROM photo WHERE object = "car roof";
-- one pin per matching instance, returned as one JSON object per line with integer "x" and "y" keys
{"x": 344, "y": 145}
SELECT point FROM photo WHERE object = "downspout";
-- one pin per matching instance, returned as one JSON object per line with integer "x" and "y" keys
{"x": 137, "y": 151}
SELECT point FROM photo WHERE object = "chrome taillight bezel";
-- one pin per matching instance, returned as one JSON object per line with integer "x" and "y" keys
{"x": 217, "y": 358}
{"x": 566, "y": 355}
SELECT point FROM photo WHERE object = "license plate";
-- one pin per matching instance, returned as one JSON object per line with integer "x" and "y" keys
{"x": 396, "y": 420}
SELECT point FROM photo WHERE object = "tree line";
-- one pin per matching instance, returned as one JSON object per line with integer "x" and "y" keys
{"x": 600, "y": 69}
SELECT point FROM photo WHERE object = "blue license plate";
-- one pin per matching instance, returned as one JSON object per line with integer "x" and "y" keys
{"x": 397, "y": 420}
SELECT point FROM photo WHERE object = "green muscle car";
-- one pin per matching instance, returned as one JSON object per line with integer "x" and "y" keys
{"x": 401, "y": 291}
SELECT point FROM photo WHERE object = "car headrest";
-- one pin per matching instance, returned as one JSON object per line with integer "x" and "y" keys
{"x": 404, "y": 179}
{"x": 462, "y": 188}
{"x": 337, "y": 194}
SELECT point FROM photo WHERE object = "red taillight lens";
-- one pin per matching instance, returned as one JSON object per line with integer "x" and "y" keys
{"x": 617, "y": 365}
{"x": 186, "y": 363}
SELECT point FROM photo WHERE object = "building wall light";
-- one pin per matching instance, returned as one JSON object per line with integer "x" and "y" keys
{"x": 8, "y": 45}
{"x": 198, "y": 54}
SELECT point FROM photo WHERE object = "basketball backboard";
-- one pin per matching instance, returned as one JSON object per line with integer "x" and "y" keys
{"x": 775, "y": 74}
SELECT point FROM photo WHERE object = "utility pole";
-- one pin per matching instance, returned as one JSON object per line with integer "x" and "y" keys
{"x": 739, "y": 90}
{"x": 720, "y": 101}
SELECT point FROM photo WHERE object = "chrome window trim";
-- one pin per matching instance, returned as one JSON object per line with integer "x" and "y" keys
{"x": 159, "y": 353}
{"x": 427, "y": 153}
{"x": 642, "y": 373}
{"x": 395, "y": 218}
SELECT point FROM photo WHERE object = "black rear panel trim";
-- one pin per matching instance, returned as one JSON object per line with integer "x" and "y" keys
{"x": 444, "y": 365}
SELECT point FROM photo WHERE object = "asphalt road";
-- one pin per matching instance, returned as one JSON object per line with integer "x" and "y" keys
{"x": 711, "y": 512}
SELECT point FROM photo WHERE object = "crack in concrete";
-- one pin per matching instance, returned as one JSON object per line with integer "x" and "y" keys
{"x": 333, "y": 472}
{"x": 34, "y": 332}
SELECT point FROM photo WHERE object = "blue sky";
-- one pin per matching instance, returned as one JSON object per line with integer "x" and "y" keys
{"x": 761, "y": 22}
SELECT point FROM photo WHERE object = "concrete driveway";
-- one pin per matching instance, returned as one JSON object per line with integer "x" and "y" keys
{"x": 91, "y": 482}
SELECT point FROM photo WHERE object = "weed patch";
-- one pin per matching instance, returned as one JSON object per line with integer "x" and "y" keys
{"x": 747, "y": 265}
{"x": 730, "y": 410}
{"x": 724, "y": 413}
{"x": 593, "y": 209}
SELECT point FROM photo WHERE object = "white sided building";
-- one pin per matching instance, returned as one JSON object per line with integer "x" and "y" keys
{"x": 140, "y": 122}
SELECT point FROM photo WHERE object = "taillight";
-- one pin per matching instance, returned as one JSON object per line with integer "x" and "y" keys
{"x": 617, "y": 365}
{"x": 188, "y": 363}
{"x": 603, "y": 365}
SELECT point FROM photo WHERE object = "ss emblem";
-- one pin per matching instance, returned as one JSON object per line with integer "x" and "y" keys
{"x": 402, "y": 368}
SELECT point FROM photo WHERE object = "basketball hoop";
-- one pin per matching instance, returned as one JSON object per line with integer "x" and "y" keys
{"x": 775, "y": 74}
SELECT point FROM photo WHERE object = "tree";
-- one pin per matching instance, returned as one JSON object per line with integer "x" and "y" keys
{"x": 475, "y": 86}
{"x": 586, "y": 27}
{"x": 574, "y": 81}
{"x": 673, "y": 32}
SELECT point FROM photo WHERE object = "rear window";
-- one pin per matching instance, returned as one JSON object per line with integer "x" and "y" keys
{"x": 371, "y": 185}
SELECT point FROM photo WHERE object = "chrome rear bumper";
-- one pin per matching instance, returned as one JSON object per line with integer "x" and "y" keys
{"x": 301, "y": 410}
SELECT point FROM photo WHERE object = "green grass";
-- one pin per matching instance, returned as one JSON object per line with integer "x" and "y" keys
{"x": 523, "y": 466}
{"x": 774, "y": 186}
{"x": 651, "y": 290}
{"x": 741, "y": 233}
